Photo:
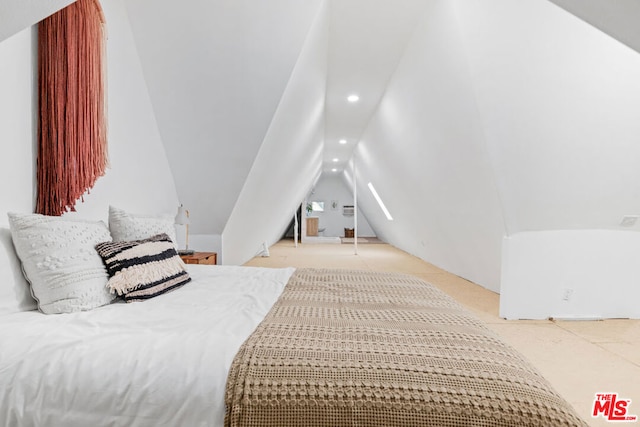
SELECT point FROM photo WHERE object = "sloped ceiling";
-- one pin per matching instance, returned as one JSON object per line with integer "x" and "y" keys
{"x": 366, "y": 41}
{"x": 503, "y": 117}
{"x": 620, "y": 18}
{"x": 424, "y": 151}
{"x": 216, "y": 71}
{"x": 289, "y": 159}
{"x": 550, "y": 102}
{"x": 16, "y": 15}
{"x": 560, "y": 103}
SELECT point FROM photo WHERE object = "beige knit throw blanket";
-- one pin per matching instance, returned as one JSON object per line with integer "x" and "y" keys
{"x": 347, "y": 348}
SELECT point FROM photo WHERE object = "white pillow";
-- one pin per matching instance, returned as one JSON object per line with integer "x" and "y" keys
{"x": 15, "y": 293}
{"x": 60, "y": 261}
{"x": 126, "y": 226}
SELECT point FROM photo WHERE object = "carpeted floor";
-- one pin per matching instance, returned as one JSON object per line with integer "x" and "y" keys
{"x": 364, "y": 240}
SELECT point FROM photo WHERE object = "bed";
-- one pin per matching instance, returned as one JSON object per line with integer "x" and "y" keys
{"x": 247, "y": 346}
{"x": 162, "y": 362}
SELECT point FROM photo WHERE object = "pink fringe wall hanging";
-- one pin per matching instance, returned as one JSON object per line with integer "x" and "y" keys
{"x": 72, "y": 137}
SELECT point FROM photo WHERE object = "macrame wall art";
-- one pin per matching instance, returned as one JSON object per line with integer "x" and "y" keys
{"x": 72, "y": 137}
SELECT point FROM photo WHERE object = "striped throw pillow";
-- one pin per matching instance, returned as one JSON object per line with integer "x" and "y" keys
{"x": 142, "y": 269}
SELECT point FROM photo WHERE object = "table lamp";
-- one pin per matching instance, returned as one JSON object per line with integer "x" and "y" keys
{"x": 182, "y": 218}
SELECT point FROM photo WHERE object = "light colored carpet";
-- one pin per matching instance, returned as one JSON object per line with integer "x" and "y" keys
{"x": 321, "y": 239}
{"x": 351, "y": 240}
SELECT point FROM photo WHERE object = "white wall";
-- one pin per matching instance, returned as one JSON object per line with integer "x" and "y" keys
{"x": 425, "y": 152}
{"x": 332, "y": 187}
{"x": 289, "y": 159}
{"x": 201, "y": 242}
{"x": 17, "y": 123}
{"x": 575, "y": 274}
{"x": 138, "y": 180}
{"x": 560, "y": 103}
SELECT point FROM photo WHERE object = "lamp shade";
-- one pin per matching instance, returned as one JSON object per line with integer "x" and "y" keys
{"x": 182, "y": 218}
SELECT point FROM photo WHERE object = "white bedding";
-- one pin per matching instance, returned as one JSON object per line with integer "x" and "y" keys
{"x": 163, "y": 362}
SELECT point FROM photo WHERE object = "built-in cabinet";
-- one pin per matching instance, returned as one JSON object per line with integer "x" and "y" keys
{"x": 312, "y": 226}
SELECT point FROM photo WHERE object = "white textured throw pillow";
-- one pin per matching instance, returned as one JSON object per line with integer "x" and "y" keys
{"x": 126, "y": 226}
{"x": 60, "y": 261}
{"x": 15, "y": 293}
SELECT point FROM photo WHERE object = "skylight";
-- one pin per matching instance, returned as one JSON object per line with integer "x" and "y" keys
{"x": 379, "y": 200}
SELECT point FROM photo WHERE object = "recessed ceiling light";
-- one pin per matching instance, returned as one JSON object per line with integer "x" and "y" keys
{"x": 353, "y": 98}
{"x": 334, "y": 170}
{"x": 336, "y": 160}
{"x": 343, "y": 141}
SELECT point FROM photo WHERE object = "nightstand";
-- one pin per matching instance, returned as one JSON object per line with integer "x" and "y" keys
{"x": 210, "y": 258}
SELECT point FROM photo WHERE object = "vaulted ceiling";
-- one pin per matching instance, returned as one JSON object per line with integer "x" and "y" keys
{"x": 216, "y": 71}
{"x": 617, "y": 18}
{"x": 475, "y": 119}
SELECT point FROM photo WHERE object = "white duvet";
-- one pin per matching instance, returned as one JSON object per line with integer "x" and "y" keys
{"x": 163, "y": 362}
